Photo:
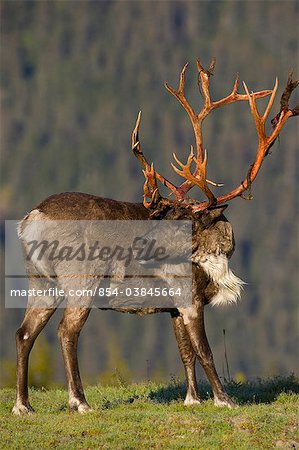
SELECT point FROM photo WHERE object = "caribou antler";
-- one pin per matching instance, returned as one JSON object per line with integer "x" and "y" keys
{"x": 198, "y": 177}
{"x": 198, "y": 118}
{"x": 264, "y": 141}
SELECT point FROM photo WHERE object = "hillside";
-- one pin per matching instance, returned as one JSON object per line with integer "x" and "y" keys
{"x": 152, "y": 416}
{"x": 73, "y": 77}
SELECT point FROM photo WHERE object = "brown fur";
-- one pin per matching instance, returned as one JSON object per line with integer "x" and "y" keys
{"x": 80, "y": 206}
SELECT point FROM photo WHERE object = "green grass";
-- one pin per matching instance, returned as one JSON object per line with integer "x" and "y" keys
{"x": 152, "y": 416}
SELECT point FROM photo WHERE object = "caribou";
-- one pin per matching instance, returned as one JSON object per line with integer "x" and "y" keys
{"x": 212, "y": 244}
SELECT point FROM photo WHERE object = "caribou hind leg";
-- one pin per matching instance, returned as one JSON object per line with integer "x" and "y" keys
{"x": 38, "y": 312}
{"x": 34, "y": 321}
{"x": 188, "y": 357}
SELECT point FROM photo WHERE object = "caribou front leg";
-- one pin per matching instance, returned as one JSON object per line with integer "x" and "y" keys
{"x": 193, "y": 318}
{"x": 69, "y": 329}
{"x": 188, "y": 357}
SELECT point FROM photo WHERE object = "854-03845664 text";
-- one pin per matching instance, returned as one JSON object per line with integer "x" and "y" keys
{"x": 101, "y": 292}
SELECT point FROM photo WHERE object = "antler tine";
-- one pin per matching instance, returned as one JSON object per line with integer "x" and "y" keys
{"x": 236, "y": 85}
{"x": 284, "y": 101}
{"x": 200, "y": 178}
{"x": 290, "y": 86}
{"x": 234, "y": 96}
{"x": 150, "y": 187}
{"x": 182, "y": 79}
{"x": 214, "y": 183}
{"x": 204, "y": 77}
{"x": 179, "y": 94}
{"x": 136, "y": 148}
{"x": 212, "y": 66}
{"x": 271, "y": 101}
{"x": 259, "y": 122}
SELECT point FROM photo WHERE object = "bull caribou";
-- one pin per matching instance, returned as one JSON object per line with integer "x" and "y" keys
{"x": 212, "y": 243}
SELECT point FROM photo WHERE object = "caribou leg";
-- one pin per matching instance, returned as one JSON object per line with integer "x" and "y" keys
{"x": 69, "y": 329}
{"x": 34, "y": 321}
{"x": 193, "y": 318}
{"x": 188, "y": 357}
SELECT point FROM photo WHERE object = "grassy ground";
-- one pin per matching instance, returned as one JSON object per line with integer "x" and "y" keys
{"x": 152, "y": 416}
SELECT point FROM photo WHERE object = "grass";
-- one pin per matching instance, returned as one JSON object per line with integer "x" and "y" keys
{"x": 153, "y": 416}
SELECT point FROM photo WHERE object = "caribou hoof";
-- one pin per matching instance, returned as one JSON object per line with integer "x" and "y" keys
{"x": 21, "y": 410}
{"x": 82, "y": 408}
{"x": 191, "y": 401}
{"x": 225, "y": 401}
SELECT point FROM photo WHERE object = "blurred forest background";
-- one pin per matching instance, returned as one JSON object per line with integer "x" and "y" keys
{"x": 73, "y": 77}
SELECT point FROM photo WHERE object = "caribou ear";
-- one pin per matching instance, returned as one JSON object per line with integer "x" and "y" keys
{"x": 217, "y": 211}
{"x": 160, "y": 210}
{"x": 212, "y": 214}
